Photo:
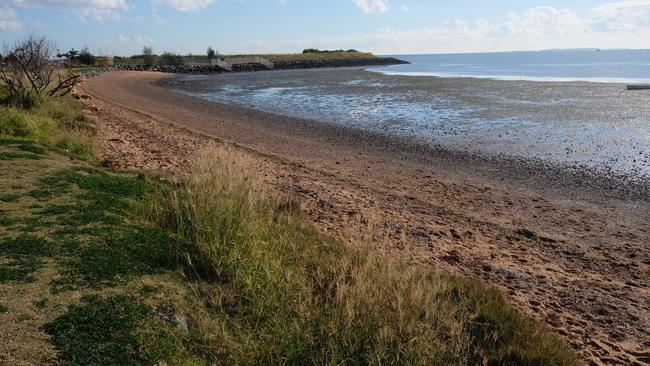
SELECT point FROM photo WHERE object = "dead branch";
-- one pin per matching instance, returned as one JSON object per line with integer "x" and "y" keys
{"x": 65, "y": 85}
{"x": 29, "y": 70}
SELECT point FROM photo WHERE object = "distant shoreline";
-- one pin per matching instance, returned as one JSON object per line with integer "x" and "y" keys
{"x": 540, "y": 79}
{"x": 605, "y": 66}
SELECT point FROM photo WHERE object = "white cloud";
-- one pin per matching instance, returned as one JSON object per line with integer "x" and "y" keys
{"x": 99, "y": 10}
{"x": 100, "y": 14}
{"x": 183, "y": 5}
{"x": 622, "y": 15}
{"x": 543, "y": 21}
{"x": 371, "y": 6}
{"x": 536, "y": 28}
{"x": 8, "y": 21}
{"x": 133, "y": 40}
{"x": 540, "y": 27}
{"x": 158, "y": 19}
{"x": 70, "y": 4}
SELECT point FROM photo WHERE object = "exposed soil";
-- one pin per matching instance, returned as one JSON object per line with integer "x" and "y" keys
{"x": 567, "y": 250}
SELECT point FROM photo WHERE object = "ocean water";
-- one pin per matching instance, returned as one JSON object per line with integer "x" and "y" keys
{"x": 609, "y": 66}
{"x": 595, "y": 125}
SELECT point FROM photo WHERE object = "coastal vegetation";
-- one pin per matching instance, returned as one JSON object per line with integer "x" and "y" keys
{"x": 316, "y": 50}
{"x": 212, "y": 53}
{"x": 28, "y": 74}
{"x": 101, "y": 266}
{"x": 74, "y": 57}
{"x": 147, "y": 56}
{"x": 321, "y": 55}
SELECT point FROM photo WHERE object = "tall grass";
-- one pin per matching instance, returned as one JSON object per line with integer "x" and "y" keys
{"x": 270, "y": 289}
{"x": 59, "y": 124}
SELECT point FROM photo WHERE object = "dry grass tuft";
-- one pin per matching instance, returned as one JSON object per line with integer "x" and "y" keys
{"x": 268, "y": 288}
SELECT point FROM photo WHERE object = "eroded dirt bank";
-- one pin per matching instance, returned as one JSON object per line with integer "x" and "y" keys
{"x": 569, "y": 252}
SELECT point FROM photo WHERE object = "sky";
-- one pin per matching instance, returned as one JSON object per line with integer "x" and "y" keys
{"x": 386, "y": 27}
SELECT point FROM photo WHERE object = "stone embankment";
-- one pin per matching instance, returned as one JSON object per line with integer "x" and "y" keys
{"x": 279, "y": 65}
{"x": 314, "y": 64}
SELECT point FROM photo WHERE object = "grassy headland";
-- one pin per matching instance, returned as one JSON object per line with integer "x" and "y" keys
{"x": 102, "y": 267}
{"x": 337, "y": 55}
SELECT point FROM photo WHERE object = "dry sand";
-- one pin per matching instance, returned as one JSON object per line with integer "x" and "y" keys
{"x": 571, "y": 251}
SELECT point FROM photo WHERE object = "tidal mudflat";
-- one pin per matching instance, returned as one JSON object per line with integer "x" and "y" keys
{"x": 600, "y": 126}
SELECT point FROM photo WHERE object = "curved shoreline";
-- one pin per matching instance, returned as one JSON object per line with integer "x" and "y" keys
{"x": 590, "y": 182}
{"x": 576, "y": 259}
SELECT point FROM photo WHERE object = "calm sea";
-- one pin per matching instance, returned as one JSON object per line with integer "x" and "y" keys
{"x": 611, "y": 66}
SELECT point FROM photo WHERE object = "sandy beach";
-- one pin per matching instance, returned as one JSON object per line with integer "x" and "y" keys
{"x": 570, "y": 249}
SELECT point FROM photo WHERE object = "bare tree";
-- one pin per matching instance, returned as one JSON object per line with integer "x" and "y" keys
{"x": 28, "y": 72}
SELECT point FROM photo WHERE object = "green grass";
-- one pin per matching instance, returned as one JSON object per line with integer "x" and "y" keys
{"x": 25, "y": 146}
{"x": 60, "y": 125}
{"x": 20, "y": 269}
{"x": 311, "y": 56}
{"x": 25, "y": 254}
{"x": 17, "y": 156}
{"x": 85, "y": 68}
{"x": 6, "y": 220}
{"x": 9, "y": 197}
{"x": 92, "y": 229}
{"x": 113, "y": 331}
{"x": 27, "y": 245}
{"x": 115, "y": 257}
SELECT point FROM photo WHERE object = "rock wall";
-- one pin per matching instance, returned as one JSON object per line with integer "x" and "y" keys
{"x": 353, "y": 62}
{"x": 279, "y": 65}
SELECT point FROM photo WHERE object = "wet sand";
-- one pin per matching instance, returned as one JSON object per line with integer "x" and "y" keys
{"x": 569, "y": 248}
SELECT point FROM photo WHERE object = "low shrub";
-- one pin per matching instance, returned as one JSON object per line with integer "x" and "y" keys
{"x": 67, "y": 113}
{"x": 17, "y": 123}
{"x": 59, "y": 124}
{"x": 23, "y": 101}
{"x": 72, "y": 143}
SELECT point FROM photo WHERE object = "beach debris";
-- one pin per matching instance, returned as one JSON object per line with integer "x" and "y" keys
{"x": 527, "y": 233}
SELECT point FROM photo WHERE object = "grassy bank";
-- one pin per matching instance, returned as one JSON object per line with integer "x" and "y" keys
{"x": 58, "y": 124}
{"x": 110, "y": 267}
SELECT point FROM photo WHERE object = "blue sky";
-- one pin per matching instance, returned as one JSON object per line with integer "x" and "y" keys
{"x": 120, "y": 27}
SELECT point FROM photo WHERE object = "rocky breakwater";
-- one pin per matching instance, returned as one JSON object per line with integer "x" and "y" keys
{"x": 351, "y": 62}
{"x": 247, "y": 67}
{"x": 176, "y": 69}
